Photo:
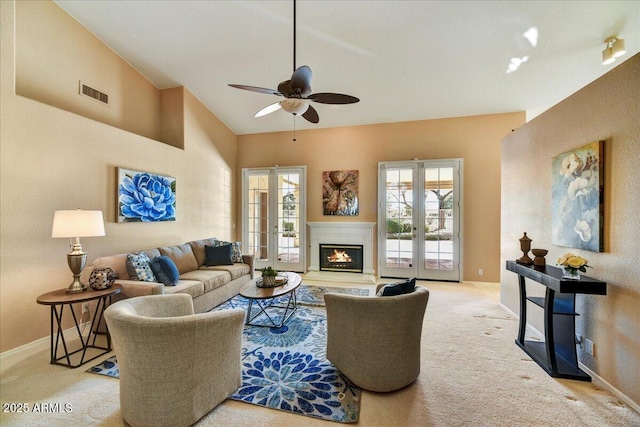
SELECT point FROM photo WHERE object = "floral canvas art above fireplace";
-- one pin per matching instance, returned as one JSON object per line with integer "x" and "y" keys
{"x": 145, "y": 197}
{"x": 340, "y": 193}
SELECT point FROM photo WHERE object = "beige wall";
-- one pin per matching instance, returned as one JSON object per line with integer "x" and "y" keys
{"x": 475, "y": 139}
{"x": 48, "y": 69}
{"x": 52, "y": 159}
{"x": 607, "y": 109}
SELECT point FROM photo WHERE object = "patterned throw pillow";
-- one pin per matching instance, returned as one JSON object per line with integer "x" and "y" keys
{"x": 165, "y": 270}
{"x": 236, "y": 254}
{"x": 138, "y": 267}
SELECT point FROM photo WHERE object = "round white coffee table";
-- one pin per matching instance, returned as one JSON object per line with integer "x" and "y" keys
{"x": 265, "y": 299}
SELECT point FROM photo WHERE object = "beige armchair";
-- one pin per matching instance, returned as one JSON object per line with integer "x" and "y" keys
{"x": 375, "y": 341}
{"x": 175, "y": 366}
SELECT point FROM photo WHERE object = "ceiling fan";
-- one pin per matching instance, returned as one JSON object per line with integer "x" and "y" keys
{"x": 297, "y": 91}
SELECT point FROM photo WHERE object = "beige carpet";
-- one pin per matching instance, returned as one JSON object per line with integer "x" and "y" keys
{"x": 473, "y": 374}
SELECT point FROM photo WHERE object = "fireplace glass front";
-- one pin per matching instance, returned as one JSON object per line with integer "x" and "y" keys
{"x": 346, "y": 258}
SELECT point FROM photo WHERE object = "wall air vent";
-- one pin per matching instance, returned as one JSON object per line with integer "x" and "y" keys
{"x": 94, "y": 93}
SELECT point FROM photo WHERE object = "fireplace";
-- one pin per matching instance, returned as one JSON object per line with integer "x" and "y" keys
{"x": 340, "y": 257}
{"x": 341, "y": 233}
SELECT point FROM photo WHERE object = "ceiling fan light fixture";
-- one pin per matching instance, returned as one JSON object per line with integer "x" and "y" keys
{"x": 294, "y": 106}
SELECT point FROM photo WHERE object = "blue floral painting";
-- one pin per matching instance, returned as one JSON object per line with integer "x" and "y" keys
{"x": 577, "y": 198}
{"x": 145, "y": 197}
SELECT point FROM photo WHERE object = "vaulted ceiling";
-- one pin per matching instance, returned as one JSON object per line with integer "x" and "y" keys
{"x": 405, "y": 60}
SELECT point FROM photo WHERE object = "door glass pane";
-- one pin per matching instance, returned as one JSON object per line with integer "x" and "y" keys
{"x": 438, "y": 236}
{"x": 399, "y": 218}
{"x": 289, "y": 217}
{"x": 258, "y": 216}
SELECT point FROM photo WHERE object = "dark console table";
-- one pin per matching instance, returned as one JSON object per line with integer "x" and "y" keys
{"x": 557, "y": 354}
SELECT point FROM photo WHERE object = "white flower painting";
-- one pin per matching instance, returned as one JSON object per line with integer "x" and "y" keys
{"x": 577, "y": 198}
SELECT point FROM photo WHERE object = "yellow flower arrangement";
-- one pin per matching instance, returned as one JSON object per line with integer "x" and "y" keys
{"x": 573, "y": 263}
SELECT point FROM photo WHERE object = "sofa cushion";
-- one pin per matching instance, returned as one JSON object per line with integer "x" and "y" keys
{"x": 197, "y": 246}
{"x": 138, "y": 267}
{"x": 165, "y": 270}
{"x": 191, "y": 287}
{"x": 182, "y": 256}
{"x": 398, "y": 288}
{"x": 236, "y": 270}
{"x": 211, "y": 279}
{"x": 218, "y": 255}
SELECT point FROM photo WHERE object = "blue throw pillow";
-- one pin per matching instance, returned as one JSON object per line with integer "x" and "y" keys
{"x": 399, "y": 288}
{"x": 138, "y": 267}
{"x": 165, "y": 270}
{"x": 218, "y": 255}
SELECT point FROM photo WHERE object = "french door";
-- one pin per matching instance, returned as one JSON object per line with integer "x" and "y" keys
{"x": 419, "y": 219}
{"x": 273, "y": 217}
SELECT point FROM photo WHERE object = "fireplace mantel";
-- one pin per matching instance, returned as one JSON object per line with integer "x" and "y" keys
{"x": 348, "y": 233}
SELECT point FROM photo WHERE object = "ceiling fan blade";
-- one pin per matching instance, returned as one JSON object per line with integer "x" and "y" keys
{"x": 332, "y": 98}
{"x": 258, "y": 89}
{"x": 301, "y": 80}
{"x": 311, "y": 115}
{"x": 268, "y": 109}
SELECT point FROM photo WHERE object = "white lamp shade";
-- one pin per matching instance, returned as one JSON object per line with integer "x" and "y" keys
{"x": 77, "y": 223}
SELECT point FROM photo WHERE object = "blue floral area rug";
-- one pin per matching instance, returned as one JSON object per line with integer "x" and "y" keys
{"x": 108, "y": 367}
{"x": 286, "y": 368}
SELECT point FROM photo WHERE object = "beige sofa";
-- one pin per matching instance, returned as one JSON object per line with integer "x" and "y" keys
{"x": 207, "y": 286}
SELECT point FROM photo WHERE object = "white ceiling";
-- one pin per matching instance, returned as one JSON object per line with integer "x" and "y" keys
{"x": 405, "y": 60}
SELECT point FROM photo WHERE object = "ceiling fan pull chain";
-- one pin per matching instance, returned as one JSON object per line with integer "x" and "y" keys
{"x": 294, "y": 129}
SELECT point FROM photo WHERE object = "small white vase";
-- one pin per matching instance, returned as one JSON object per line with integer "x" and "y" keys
{"x": 570, "y": 273}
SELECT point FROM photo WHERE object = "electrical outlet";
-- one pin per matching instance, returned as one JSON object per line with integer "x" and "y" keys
{"x": 590, "y": 347}
{"x": 579, "y": 340}
{"x": 480, "y": 272}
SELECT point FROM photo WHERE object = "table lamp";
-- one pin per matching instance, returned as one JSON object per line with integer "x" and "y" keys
{"x": 74, "y": 224}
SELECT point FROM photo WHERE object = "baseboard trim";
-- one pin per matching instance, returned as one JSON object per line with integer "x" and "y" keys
{"x": 10, "y": 358}
{"x": 595, "y": 378}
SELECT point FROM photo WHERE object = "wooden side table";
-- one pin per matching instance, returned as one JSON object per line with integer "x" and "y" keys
{"x": 58, "y": 300}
